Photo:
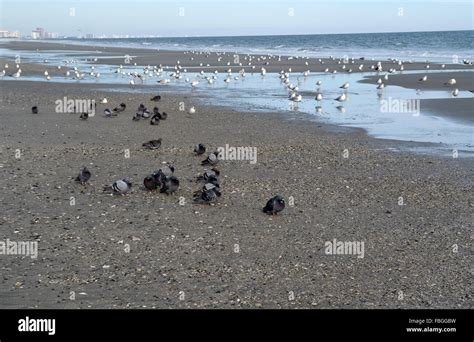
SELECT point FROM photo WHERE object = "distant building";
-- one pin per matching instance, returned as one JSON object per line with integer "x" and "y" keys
{"x": 35, "y": 35}
{"x": 40, "y": 31}
{"x": 51, "y": 35}
{"x": 9, "y": 34}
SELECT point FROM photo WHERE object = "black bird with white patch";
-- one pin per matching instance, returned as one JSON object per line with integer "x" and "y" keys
{"x": 274, "y": 205}
{"x": 152, "y": 144}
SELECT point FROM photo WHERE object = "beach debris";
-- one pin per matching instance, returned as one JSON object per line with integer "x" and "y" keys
{"x": 423, "y": 79}
{"x": 119, "y": 187}
{"x": 156, "y": 98}
{"x": 83, "y": 176}
{"x": 199, "y": 149}
{"x": 192, "y": 110}
{"x": 455, "y": 92}
{"x": 104, "y": 100}
{"x": 274, "y": 205}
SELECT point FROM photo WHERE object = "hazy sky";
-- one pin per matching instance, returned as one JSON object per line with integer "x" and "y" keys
{"x": 234, "y": 17}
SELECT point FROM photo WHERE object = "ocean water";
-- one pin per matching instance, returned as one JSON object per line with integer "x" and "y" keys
{"x": 445, "y": 46}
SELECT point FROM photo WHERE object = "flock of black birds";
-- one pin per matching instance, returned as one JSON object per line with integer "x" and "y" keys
{"x": 164, "y": 180}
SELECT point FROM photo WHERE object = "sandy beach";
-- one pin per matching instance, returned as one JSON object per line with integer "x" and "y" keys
{"x": 412, "y": 211}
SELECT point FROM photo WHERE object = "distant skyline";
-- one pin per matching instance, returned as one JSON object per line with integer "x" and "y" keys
{"x": 233, "y": 17}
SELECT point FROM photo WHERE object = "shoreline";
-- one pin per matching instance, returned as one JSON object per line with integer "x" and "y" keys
{"x": 169, "y": 57}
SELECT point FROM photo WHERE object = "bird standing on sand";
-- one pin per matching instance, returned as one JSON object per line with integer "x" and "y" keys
{"x": 83, "y": 176}
{"x": 155, "y": 119}
{"x": 319, "y": 97}
{"x": 209, "y": 194}
{"x": 34, "y": 110}
{"x": 199, "y": 149}
{"x": 455, "y": 92}
{"x": 150, "y": 183}
{"x": 212, "y": 159}
{"x": 152, "y": 144}
{"x": 170, "y": 185}
{"x": 119, "y": 187}
{"x": 274, "y": 205}
{"x": 423, "y": 79}
{"x": 84, "y": 116}
{"x": 156, "y": 98}
{"x": 192, "y": 110}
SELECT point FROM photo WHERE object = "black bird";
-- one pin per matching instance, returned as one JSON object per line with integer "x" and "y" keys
{"x": 84, "y": 116}
{"x": 163, "y": 173}
{"x": 152, "y": 144}
{"x": 199, "y": 149}
{"x": 83, "y": 176}
{"x": 212, "y": 173}
{"x": 169, "y": 185}
{"x": 155, "y": 120}
{"x": 141, "y": 108}
{"x": 156, "y": 98}
{"x": 274, "y": 205}
{"x": 212, "y": 159}
{"x": 108, "y": 113}
{"x": 34, "y": 109}
{"x": 207, "y": 196}
{"x": 161, "y": 116}
{"x": 120, "y": 187}
{"x": 136, "y": 117}
{"x": 150, "y": 183}
{"x": 120, "y": 108}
